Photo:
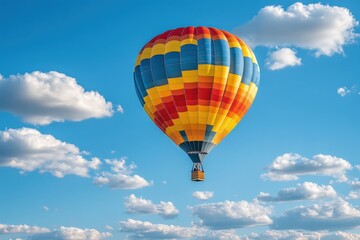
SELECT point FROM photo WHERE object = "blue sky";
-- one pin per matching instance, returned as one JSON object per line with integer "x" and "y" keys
{"x": 80, "y": 158}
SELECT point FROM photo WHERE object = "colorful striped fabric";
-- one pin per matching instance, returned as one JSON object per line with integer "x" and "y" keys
{"x": 196, "y": 84}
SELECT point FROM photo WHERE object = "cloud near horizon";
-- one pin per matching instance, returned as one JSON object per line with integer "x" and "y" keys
{"x": 148, "y": 230}
{"x": 42, "y": 98}
{"x": 13, "y": 229}
{"x": 302, "y": 235}
{"x": 335, "y": 215}
{"x": 72, "y": 233}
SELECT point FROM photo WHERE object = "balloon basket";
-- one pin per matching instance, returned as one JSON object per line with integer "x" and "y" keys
{"x": 197, "y": 172}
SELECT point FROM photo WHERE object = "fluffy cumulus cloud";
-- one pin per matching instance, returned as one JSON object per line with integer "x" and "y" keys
{"x": 307, "y": 190}
{"x": 282, "y": 58}
{"x": 41, "y": 98}
{"x": 336, "y": 215}
{"x": 120, "y": 176}
{"x": 135, "y": 204}
{"x": 302, "y": 235}
{"x": 205, "y": 195}
{"x": 28, "y": 150}
{"x": 148, "y": 230}
{"x": 229, "y": 214}
{"x": 321, "y": 28}
{"x": 290, "y": 166}
{"x": 25, "y": 229}
{"x": 72, "y": 233}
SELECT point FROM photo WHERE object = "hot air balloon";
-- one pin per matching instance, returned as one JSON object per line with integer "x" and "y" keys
{"x": 196, "y": 84}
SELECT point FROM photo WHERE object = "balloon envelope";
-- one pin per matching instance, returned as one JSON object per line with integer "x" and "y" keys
{"x": 196, "y": 84}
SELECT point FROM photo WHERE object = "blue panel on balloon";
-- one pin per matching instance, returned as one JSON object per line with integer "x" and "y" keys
{"x": 222, "y": 53}
{"x": 236, "y": 61}
{"x": 248, "y": 71}
{"x": 158, "y": 70}
{"x": 189, "y": 57}
{"x": 139, "y": 82}
{"x": 146, "y": 73}
{"x": 139, "y": 95}
{"x": 172, "y": 65}
{"x": 256, "y": 75}
{"x": 205, "y": 53}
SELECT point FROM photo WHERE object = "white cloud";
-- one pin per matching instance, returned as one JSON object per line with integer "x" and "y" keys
{"x": 41, "y": 98}
{"x": 355, "y": 184}
{"x": 120, "y": 176}
{"x": 46, "y": 208}
{"x": 229, "y": 215}
{"x": 27, "y": 149}
{"x": 322, "y": 28}
{"x": 284, "y": 235}
{"x": 120, "y": 109}
{"x": 121, "y": 181}
{"x": 147, "y": 230}
{"x": 307, "y": 190}
{"x": 134, "y": 204}
{"x": 336, "y": 215}
{"x": 302, "y": 235}
{"x": 357, "y": 167}
{"x": 340, "y": 236}
{"x": 282, "y": 58}
{"x": 109, "y": 228}
{"x": 72, "y": 233}
{"x": 343, "y": 91}
{"x": 290, "y": 166}
{"x": 219, "y": 235}
{"x": 14, "y": 229}
{"x": 119, "y": 165}
{"x": 354, "y": 195}
{"x": 203, "y": 195}
{"x": 64, "y": 233}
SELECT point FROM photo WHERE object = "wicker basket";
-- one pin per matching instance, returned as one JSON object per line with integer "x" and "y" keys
{"x": 197, "y": 175}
